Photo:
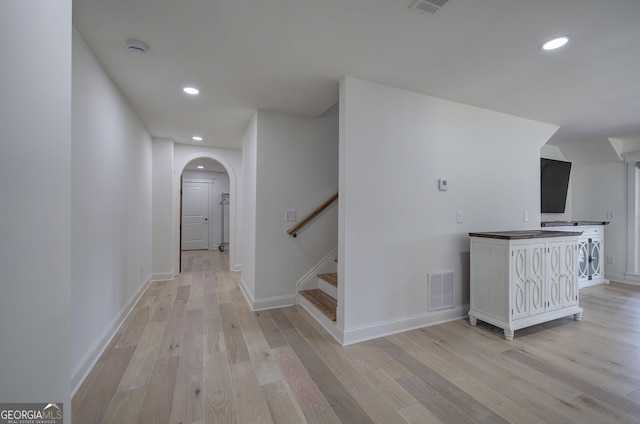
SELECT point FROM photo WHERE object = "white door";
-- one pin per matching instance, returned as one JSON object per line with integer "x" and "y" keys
{"x": 195, "y": 216}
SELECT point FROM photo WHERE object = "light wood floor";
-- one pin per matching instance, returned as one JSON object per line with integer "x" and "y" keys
{"x": 193, "y": 352}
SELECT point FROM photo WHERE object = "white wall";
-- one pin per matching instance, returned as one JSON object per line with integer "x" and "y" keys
{"x": 249, "y": 169}
{"x": 162, "y": 215}
{"x": 393, "y": 231}
{"x": 296, "y": 169}
{"x": 35, "y": 249}
{"x": 111, "y": 197}
{"x": 599, "y": 188}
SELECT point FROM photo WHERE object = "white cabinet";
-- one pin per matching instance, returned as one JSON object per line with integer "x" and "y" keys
{"x": 520, "y": 279}
{"x": 590, "y": 253}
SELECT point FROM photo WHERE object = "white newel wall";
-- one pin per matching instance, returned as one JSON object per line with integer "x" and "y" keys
{"x": 293, "y": 164}
{"x": 394, "y": 231}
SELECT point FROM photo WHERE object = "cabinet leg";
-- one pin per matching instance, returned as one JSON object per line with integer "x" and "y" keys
{"x": 473, "y": 320}
{"x": 508, "y": 334}
{"x": 577, "y": 316}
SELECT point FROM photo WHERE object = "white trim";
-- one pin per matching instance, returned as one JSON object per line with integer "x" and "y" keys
{"x": 246, "y": 292}
{"x": 386, "y": 328}
{"x": 198, "y": 180}
{"x": 632, "y": 225}
{"x": 274, "y": 302}
{"x": 164, "y": 276}
{"x": 322, "y": 319}
{"x": 233, "y": 196}
{"x": 311, "y": 275}
{"x": 89, "y": 360}
{"x": 263, "y": 304}
{"x": 626, "y": 278}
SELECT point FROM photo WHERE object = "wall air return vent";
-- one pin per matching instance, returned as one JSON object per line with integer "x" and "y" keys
{"x": 440, "y": 294}
{"x": 431, "y": 6}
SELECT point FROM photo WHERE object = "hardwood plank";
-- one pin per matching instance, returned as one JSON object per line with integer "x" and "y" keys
{"x": 330, "y": 352}
{"x": 270, "y": 330}
{"x": 156, "y": 406}
{"x": 457, "y": 397}
{"x": 378, "y": 359}
{"x": 134, "y": 327}
{"x": 321, "y": 415}
{"x": 341, "y": 401}
{"x": 519, "y": 391}
{"x": 325, "y": 303}
{"x": 377, "y": 407}
{"x": 394, "y": 394}
{"x": 304, "y": 389}
{"x": 192, "y": 353}
{"x": 195, "y": 300}
{"x": 188, "y": 403}
{"x": 331, "y": 278}
{"x": 251, "y": 406}
{"x": 219, "y": 401}
{"x": 280, "y": 319}
{"x": 141, "y": 364}
{"x": 282, "y": 406}
{"x": 619, "y": 402}
{"x": 94, "y": 396}
{"x": 416, "y": 413}
{"x": 124, "y": 408}
{"x": 266, "y": 369}
{"x": 431, "y": 351}
{"x": 234, "y": 340}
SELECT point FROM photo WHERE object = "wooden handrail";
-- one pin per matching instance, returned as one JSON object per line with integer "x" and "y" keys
{"x": 293, "y": 232}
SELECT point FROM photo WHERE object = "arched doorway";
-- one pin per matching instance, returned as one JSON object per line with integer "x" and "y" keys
{"x": 224, "y": 170}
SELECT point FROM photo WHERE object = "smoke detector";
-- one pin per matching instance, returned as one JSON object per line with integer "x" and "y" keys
{"x": 136, "y": 46}
{"x": 431, "y": 6}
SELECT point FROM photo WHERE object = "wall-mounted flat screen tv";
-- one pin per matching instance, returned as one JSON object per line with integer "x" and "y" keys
{"x": 554, "y": 183}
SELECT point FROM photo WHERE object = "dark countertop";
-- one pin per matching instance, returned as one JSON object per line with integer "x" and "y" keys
{"x": 525, "y": 234}
{"x": 571, "y": 223}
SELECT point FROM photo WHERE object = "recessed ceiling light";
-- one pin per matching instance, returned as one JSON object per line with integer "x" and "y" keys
{"x": 191, "y": 90}
{"x": 200, "y": 167}
{"x": 555, "y": 43}
{"x": 196, "y": 138}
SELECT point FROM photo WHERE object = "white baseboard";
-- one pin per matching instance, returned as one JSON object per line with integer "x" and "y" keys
{"x": 163, "y": 276}
{"x": 247, "y": 294}
{"x": 631, "y": 279}
{"x": 89, "y": 360}
{"x": 386, "y": 328}
{"x": 274, "y": 302}
{"x": 262, "y": 304}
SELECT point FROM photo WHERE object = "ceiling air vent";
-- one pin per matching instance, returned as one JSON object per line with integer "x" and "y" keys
{"x": 432, "y": 6}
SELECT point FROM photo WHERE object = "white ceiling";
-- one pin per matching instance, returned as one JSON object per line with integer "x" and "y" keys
{"x": 289, "y": 56}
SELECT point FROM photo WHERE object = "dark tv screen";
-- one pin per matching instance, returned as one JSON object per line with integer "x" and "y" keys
{"x": 554, "y": 183}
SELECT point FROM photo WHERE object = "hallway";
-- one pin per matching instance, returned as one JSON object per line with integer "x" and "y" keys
{"x": 192, "y": 352}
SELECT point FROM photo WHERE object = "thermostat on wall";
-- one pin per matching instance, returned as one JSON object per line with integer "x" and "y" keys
{"x": 443, "y": 185}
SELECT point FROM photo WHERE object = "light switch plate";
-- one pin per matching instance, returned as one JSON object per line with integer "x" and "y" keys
{"x": 290, "y": 216}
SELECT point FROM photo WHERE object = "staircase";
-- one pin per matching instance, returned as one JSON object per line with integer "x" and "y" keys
{"x": 324, "y": 297}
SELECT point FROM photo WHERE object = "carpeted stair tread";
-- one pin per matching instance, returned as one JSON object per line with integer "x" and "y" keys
{"x": 325, "y": 303}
